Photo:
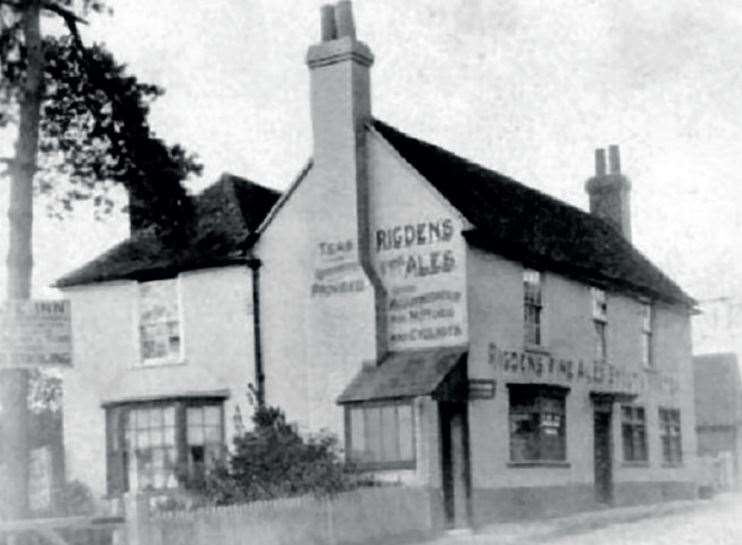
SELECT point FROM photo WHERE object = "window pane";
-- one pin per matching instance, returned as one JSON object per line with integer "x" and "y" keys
{"x": 406, "y": 445}
{"x": 155, "y": 417}
{"x": 195, "y": 435}
{"x": 373, "y": 431}
{"x": 143, "y": 439}
{"x": 212, "y": 415}
{"x": 212, "y": 434}
{"x": 168, "y": 416}
{"x": 357, "y": 434}
{"x": 168, "y": 436}
{"x": 195, "y": 416}
{"x": 389, "y": 449}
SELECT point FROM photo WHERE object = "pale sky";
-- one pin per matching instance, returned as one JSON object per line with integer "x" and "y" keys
{"x": 524, "y": 87}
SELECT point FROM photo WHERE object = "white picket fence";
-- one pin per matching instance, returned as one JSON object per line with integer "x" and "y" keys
{"x": 362, "y": 516}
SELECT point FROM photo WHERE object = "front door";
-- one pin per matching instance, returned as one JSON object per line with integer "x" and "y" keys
{"x": 455, "y": 463}
{"x": 603, "y": 456}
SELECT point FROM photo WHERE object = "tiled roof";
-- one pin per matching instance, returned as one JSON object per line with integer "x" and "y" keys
{"x": 718, "y": 390}
{"x": 404, "y": 374}
{"x": 526, "y": 225}
{"x": 226, "y": 213}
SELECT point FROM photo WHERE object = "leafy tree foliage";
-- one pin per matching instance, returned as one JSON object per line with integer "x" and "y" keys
{"x": 272, "y": 460}
{"x": 93, "y": 129}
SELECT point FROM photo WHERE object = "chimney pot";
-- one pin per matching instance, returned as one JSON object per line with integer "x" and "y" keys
{"x": 344, "y": 19}
{"x": 327, "y": 23}
{"x": 600, "y": 162}
{"x": 614, "y": 159}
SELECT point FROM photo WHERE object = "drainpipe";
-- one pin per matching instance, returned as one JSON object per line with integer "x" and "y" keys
{"x": 254, "y": 264}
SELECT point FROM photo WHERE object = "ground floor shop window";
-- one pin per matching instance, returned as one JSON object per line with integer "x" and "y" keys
{"x": 634, "y": 434}
{"x": 157, "y": 445}
{"x": 537, "y": 423}
{"x": 380, "y": 435}
{"x": 672, "y": 447}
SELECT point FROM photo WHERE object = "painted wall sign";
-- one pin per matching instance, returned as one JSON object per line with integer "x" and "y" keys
{"x": 600, "y": 376}
{"x": 35, "y": 333}
{"x": 420, "y": 264}
{"x": 336, "y": 269}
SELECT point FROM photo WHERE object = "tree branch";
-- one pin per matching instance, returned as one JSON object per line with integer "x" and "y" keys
{"x": 70, "y": 19}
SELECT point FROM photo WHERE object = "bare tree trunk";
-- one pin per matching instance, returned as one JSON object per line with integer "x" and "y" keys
{"x": 14, "y": 383}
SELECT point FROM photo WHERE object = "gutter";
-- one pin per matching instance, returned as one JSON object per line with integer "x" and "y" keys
{"x": 254, "y": 263}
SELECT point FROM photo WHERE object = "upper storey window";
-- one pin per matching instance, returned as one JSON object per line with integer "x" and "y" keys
{"x": 532, "y": 287}
{"x": 600, "y": 321}
{"x": 646, "y": 313}
{"x": 159, "y": 322}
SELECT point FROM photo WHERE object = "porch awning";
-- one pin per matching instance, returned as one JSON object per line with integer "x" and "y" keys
{"x": 440, "y": 372}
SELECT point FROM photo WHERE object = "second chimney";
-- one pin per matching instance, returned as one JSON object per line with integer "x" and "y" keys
{"x": 609, "y": 191}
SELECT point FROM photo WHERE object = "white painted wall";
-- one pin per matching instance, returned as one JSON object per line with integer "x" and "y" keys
{"x": 216, "y": 315}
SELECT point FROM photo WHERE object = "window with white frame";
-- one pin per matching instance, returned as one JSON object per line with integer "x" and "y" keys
{"x": 154, "y": 445}
{"x": 646, "y": 314}
{"x": 159, "y": 322}
{"x": 532, "y": 307}
{"x": 381, "y": 435}
{"x": 600, "y": 322}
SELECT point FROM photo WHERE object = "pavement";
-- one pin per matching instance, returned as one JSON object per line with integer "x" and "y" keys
{"x": 716, "y": 521}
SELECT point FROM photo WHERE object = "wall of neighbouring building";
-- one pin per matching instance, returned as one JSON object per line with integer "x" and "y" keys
{"x": 215, "y": 311}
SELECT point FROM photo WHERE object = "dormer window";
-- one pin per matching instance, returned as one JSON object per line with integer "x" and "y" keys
{"x": 600, "y": 322}
{"x": 646, "y": 334}
{"x": 159, "y": 322}
{"x": 532, "y": 306}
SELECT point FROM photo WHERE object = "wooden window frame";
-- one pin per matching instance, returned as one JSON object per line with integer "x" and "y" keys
{"x": 170, "y": 358}
{"x": 539, "y": 394}
{"x": 634, "y": 433}
{"x": 117, "y": 466}
{"x": 533, "y": 330}
{"x": 380, "y": 465}
{"x": 671, "y": 436}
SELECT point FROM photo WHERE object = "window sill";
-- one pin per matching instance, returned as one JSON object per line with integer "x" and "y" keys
{"x": 650, "y": 369}
{"x": 672, "y": 464}
{"x": 163, "y": 362}
{"x": 382, "y": 466}
{"x": 635, "y": 463}
{"x": 536, "y": 349}
{"x": 540, "y": 463}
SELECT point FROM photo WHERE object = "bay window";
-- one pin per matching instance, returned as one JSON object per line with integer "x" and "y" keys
{"x": 380, "y": 435}
{"x": 155, "y": 445}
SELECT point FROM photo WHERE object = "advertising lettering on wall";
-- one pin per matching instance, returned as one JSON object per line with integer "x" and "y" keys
{"x": 600, "y": 376}
{"x": 336, "y": 269}
{"x": 35, "y": 333}
{"x": 421, "y": 270}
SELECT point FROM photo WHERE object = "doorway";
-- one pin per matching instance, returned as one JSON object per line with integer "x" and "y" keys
{"x": 454, "y": 442}
{"x": 603, "y": 446}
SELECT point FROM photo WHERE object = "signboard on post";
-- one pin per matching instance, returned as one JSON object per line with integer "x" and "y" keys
{"x": 35, "y": 333}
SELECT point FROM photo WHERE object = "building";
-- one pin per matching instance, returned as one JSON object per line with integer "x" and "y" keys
{"x": 163, "y": 347}
{"x": 458, "y": 330}
{"x": 718, "y": 392}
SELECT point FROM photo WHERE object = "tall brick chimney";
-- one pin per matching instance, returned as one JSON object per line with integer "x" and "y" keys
{"x": 609, "y": 191}
{"x": 340, "y": 87}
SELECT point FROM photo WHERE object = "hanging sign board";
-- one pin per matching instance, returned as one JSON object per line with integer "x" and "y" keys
{"x": 35, "y": 333}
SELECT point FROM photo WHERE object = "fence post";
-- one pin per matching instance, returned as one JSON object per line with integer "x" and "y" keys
{"x": 330, "y": 521}
{"x": 137, "y": 519}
